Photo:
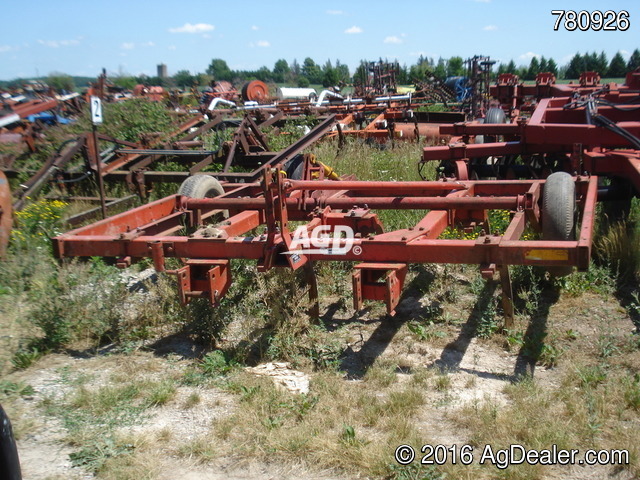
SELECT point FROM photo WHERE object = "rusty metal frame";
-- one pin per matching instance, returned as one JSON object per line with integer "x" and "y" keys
{"x": 559, "y": 128}
{"x": 175, "y": 227}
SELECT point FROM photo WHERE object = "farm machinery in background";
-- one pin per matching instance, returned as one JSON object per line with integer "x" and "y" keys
{"x": 209, "y": 222}
{"x": 585, "y": 128}
{"x": 537, "y": 156}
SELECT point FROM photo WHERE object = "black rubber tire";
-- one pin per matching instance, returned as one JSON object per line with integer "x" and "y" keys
{"x": 201, "y": 186}
{"x": 293, "y": 168}
{"x": 9, "y": 460}
{"x": 558, "y": 213}
{"x": 495, "y": 115}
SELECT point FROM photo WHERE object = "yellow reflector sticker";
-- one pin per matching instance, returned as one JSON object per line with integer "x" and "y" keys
{"x": 539, "y": 254}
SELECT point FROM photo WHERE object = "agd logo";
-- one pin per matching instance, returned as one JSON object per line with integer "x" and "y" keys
{"x": 323, "y": 241}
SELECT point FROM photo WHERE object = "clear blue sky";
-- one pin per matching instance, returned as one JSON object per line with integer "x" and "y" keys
{"x": 132, "y": 37}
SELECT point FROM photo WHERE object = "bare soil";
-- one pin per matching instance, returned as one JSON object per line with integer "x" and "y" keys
{"x": 478, "y": 371}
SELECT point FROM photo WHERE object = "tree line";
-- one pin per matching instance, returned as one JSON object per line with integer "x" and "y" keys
{"x": 589, "y": 62}
{"x": 337, "y": 73}
{"x": 329, "y": 74}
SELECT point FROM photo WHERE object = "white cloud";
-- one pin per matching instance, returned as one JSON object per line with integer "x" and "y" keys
{"x": 490, "y": 28}
{"x": 171, "y": 47}
{"x": 263, "y": 43}
{"x": 148, "y": 44}
{"x": 335, "y": 12}
{"x": 59, "y": 43}
{"x": 128, "y": 46}
{"x": 393, "y": 39}
{"x": 625, "y": 53}
{"x": 482, "y": 1}
{"x": 353, "y": 29}
{"x": 254, "y": 28}
{"x": 192, "y": 28}
{"x": 206, "y": 35}
{"x": 529, "y": 55}
{"x": 5, "y": 48}
{"x": 49, "y": 43}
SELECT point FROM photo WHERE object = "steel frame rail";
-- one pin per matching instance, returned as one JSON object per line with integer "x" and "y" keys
{"x": 176, "y": 227}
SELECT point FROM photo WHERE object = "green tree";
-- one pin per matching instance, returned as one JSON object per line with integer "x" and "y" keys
{"x": 342, "y": 70}
{"x": 330, "y": 78}
{"x": 280, "y": 70}
{"x": 311, "y": 70}
{"x": 263, "y": 74}
{"x": 441, "y": 69}
{"x": 61, "y": 82}
{"x": 303, "y": 82}
{"x": 402, "y": 76}
{"x": 617, "y": 67}
{"x": 552, "y": 66}
{"x": 360, "y": 75}
{"x": 511, "y": 67}
{"x": 634, "y": 60}
{"x": 124, "y": 81}
{"x": 533, "y": 70}
{"x": 603, "y": 64}
{"x": 219, "y": 69}
{"x": 183, "y": 78}
{"x": 544, "y": 65}
{"x": 576, "y": 67}
{"x": 295, "y": 67}
{"x": 455, "y": 66}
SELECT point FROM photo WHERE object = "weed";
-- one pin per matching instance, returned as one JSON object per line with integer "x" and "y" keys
{"x": 634, "y": 307}
{"x": 348, "y": 435}
{"x": 414, "y": 471}
{"x": 631, "y": 387}
{"x": 216, "y": 363}
{"x": 93, "y": 457}
{"x": 202, "y": 449}
{"x": 160, "y": 393}
{"x": 10, "y": 389}
{"x": 35, "y": 224}
{"x": 325, "y": 356}
{"x": 607, "y": 346}
{"x": 192, "y": 400}
{"x": 423, "y": 332}
{"x": 591, "y": 376}
{"x": 514, "y": 339}
{"x": 23, "y": 359}
{"x": 487, "y": 322}
{"x": 442, "y": 383}
{"x": 550, "y": 354}
{"x": 597, "y": 279}
{"x": 618, "y": 249}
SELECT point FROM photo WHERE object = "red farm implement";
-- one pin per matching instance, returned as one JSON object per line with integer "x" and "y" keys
{"x": 596, "y": 133}
{"x": 258, "y": 228}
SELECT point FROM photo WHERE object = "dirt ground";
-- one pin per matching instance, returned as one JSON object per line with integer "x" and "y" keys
{"x": 479, "y": 370}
